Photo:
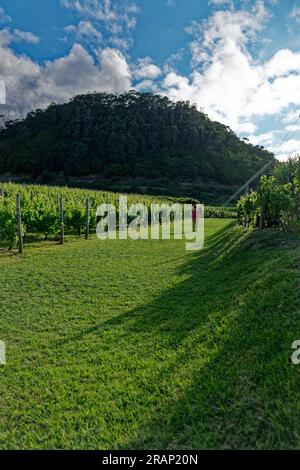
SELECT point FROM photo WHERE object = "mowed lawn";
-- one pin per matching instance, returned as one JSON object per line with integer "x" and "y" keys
{"x": 141, "y": 344}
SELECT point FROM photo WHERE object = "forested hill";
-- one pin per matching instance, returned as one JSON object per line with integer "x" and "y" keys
{"x": 131, "y": 135}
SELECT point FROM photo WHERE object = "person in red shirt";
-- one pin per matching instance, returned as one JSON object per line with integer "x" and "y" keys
{"x": 194, "y": 216}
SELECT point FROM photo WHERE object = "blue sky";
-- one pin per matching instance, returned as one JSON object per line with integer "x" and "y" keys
{"x": 239, "y": 61}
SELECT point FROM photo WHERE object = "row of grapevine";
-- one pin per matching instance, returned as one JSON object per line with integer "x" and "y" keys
{"x": 41, "y": 210}
{"x": 211, "y": 212}
{"x": 272, "y": 205}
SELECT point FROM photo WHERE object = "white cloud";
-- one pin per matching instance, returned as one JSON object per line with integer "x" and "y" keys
{"x": 283, "y": 63}
{"x": 8, "y": 36}
{"x": 246, "y": 127}
{"x": 272, "y": 98}
{"x": 277, "y": 142}
{"x": 146, "y": 85}
{"x": 221, "y": 2}
{"x": 120, "y": 43}
{"x": 225, "y": 27}
{"x": 267, "y": 138}
{"x": 30, "y": 85}
{"x": 117, "y": 16}
{"x": 291, "y": 116}
{"x": 289, "y": 148}
{"x": 4, "y": 18}
{"x": 281, "y": 143}
{"x": 295, "y": 14}
{"x": 146, "y": 69}
{"x": 99, "y": 10}
{"x": 293, "y": 128}
{"x": 228, "y": 81}
{"x": 24, "y": 36}
{"x": 224, "y": 76}
{"x": 2, "y": 92}
{"x": 84, "y": 30}
{"x": 115, "y": 19}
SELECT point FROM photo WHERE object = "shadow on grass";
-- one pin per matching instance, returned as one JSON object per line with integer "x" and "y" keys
{"x": 221, "y": 342}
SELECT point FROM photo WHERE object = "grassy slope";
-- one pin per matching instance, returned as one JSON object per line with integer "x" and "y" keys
{"x": 142, "y": 344}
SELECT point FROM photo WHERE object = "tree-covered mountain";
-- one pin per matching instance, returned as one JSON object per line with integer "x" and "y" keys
{"x": 132, "y": 135}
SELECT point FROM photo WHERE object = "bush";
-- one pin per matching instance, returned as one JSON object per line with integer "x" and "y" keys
{"x": 269, "y": 206}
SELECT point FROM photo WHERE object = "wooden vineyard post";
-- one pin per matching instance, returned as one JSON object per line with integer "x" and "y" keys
{"x": 19, "y": 221}
{"x": 1, "y": 192}
{"x": 87, "y": 218}
{"x": 261, "y": 218}
{"x": 62, "y": 223}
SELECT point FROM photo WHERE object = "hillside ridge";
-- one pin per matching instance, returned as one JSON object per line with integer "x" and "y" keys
{"x": 126, "y": 138}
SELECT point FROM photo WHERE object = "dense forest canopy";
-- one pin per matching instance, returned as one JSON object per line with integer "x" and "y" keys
{"x": 128, "y": 135}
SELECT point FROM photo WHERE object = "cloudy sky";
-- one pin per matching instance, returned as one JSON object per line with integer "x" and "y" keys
{"x": 239, "y": 61}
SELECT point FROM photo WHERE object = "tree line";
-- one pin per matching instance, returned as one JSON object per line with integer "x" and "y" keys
{"x": 132, "y": 135}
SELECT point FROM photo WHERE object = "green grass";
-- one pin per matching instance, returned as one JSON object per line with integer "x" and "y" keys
{"x": 140, "y": 344}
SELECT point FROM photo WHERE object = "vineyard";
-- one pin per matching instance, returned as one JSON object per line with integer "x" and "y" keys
{"x": 53, "y": 210}
{"x": 128, "y": 345}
